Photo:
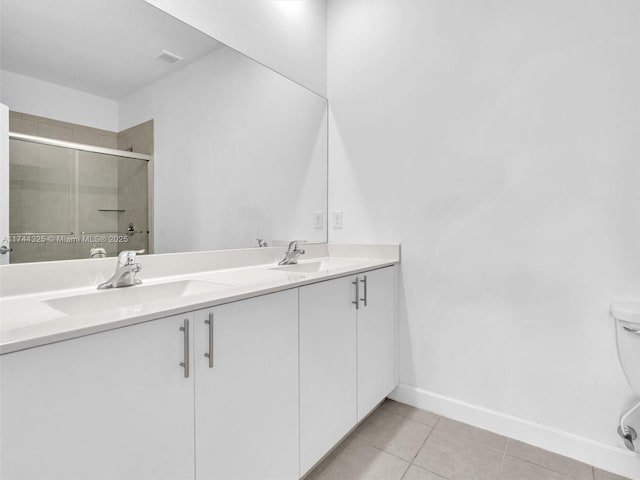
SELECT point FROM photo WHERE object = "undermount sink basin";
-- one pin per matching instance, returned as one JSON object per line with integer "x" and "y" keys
{"x": 131, "y": 296}
{"x": 309, "y": 267}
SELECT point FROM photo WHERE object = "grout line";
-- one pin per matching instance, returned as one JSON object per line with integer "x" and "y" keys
{"x": 389, "y": 453}
{"x": 422, "y": 446}
{"x": 425, "y": 441}
{"x": 504, "y": 454}
{"x": 537, "y": 464}
{"x": 405, "y": 471}
{"x": 430, "y": 471}
{"x": 432, "y": 428}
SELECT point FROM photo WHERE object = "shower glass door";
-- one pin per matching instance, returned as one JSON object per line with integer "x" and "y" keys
{"x": 41, "y": 202}
{"x": 64, "y": 202}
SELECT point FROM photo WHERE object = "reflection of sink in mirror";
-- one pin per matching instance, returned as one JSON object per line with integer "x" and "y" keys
{"x": 305, "y": 267}
{"x": 128, "y": 296}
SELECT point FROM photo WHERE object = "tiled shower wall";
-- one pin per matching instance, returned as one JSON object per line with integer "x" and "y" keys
{"x": 134, "y": 194}
{"x": 70, "y": 132}
{"x": 43, "y": 184}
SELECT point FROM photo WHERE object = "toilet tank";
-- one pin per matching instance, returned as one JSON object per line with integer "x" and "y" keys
{"x": 629, "y": 351}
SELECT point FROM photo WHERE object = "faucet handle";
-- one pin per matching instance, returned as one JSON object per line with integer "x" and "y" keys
{"x": 127, "y": 257}
{"x": 293, "y": 246}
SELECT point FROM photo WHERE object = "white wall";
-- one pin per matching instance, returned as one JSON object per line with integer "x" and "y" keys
{"x": 498, "y": 142}
{"x": 286, "y": 35}
{"x": 29, "y": 95}
{"x": 240, "y": 153}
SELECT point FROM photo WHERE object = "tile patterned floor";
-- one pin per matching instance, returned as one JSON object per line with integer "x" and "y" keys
{"x": 399, "y": 442}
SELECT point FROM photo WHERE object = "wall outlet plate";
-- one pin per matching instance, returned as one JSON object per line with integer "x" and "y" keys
{"x": 336, "y": 219}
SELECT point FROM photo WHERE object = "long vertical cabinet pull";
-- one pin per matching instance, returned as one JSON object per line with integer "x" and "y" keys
{"x": 209, "y": 355}
{"x": 185, "y": 330}
{"x": 356, "y": 302}
{"x": 364, "y": 299}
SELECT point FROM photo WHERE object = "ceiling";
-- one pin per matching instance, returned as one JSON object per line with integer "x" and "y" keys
{"x": 102, "y": 47}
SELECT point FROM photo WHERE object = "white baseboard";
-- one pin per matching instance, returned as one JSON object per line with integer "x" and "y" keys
{"x": 614, "y": 459}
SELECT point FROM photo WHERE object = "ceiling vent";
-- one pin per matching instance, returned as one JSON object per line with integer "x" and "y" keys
{"x": 167, "y": 56}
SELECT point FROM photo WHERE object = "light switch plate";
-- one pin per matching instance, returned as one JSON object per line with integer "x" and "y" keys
{"x": 318, "y": 220}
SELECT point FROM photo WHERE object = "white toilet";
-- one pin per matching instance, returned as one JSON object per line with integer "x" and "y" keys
{"x": 627, "y": 317}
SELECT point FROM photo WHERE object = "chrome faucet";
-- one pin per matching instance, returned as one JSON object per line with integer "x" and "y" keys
{"x": 291, "y": 257}
{"x": 126, "y": 269}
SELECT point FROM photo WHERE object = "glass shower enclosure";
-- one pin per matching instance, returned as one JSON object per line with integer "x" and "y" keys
{"x": 70, "y": 201}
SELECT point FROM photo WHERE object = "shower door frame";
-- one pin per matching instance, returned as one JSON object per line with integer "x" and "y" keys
{"x": 4, "y": 184}
{"x": 77, "y": 147}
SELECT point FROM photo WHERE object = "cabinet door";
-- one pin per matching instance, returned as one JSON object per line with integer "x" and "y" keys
{"x": 376, "y": 338}
{"x": 247, "y": 402}
{"x": 327, "y": 367}
{"x": 113, "y": 405}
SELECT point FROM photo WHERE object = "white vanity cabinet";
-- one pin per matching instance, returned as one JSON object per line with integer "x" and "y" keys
{"x": 376, "y": 318}
{"x": 115, "y": 405}
{"x": 122, "y": 404}
{"x": 347, "y": 356}
{"x": 328, "y": 381}
{"x": 257, "y": 389}
{"x": 246, "y": 390}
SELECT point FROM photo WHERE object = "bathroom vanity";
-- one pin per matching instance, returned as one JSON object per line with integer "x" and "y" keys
{"x": 228, "y": 358}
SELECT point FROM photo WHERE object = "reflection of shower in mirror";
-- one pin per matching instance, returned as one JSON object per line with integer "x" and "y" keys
{"x": 71, "y": 200}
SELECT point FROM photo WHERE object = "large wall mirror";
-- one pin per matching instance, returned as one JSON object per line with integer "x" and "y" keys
{"x": 130, "y": 129}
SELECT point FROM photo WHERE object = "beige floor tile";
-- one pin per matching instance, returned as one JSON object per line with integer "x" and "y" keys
{"x": 514, "y": 468}
{"x": 319, "y": 469}
{"x": 350, "y": 440}
{"x": 417, "y": 473}
{"x": 362, "y": 462}
{"x": 353, "y": 439}
{"x": 397, "y": 435}
{"x": 446, "y": 455}
{"x": 408, "y": 411}
{"x": 602, "y": 475}
{"x": 574, "y": 469}
{"x": 382, "y": 448}
{"x": 466, "y": 434}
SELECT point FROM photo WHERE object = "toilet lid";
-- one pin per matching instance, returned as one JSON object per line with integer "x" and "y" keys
{"x": 626, "y": 311}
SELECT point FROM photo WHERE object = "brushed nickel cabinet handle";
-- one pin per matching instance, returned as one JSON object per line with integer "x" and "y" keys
{"x": 364, "y": 299}
{"x": 632, "y": 330}
{"x": 185, "y": 330}
{"x": 356, "y": 302}
{"x": 209, "y": 355}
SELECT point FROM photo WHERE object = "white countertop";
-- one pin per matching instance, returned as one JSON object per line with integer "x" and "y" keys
{"x": 27, "y": 321}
